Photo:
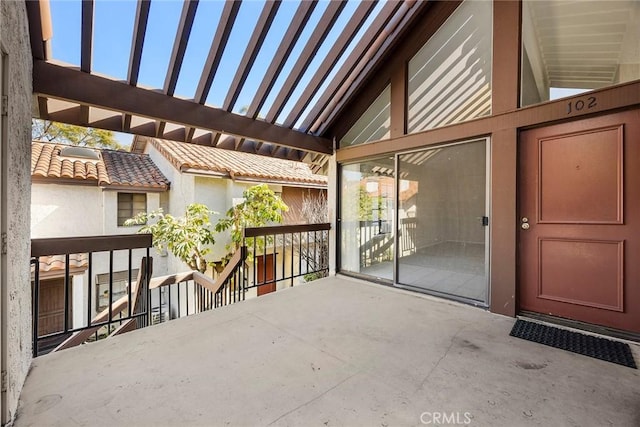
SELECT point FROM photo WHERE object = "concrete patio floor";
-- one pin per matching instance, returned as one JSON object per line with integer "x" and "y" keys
{"x": 336, "y": 352}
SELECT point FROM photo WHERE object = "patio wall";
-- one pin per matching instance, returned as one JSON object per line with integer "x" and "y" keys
{"x": 15, "y": 296}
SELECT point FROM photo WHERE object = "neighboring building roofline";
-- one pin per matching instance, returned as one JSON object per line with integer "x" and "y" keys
{"x": 113, "y": 169}
{"x": 239, "y": 166}
{"x": 285, "y": 183}
{"x": 221, "y": 175}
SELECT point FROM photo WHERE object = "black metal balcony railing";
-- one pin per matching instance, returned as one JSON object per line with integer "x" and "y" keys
{"x": 63, "y": 271}
{"x": 281, "y": 254}
{"x": 270, "y": 258}
{"x": 72, "y": 306}
{"x": 184, "y": 294}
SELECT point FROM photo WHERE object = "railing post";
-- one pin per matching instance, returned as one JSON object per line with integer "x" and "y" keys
{"x": 89, "y": 286}
{"x": 36, "y": 301}
{"x": 243, "y": 269}
{"x": 67, "y": 294}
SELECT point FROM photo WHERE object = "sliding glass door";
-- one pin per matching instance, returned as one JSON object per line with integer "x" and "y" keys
{"x": 442, "y": 220}
{"x": 366, "y": 218}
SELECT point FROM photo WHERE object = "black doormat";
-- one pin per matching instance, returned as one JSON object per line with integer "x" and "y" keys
{"x": 588, "y": 345}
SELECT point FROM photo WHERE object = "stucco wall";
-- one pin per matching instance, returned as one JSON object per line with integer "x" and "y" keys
{"x": 77, "y": 210}
{"x": 182, "y": 185}
{"x": 217, "y": 194}
{"x": 175, "y": 203}
{"x": 66, "y": 210}
{"x": 16, "y": 292}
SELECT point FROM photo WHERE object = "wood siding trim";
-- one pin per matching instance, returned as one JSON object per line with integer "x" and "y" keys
{"x": 505, "y": 70}
{"x": 626, "y": 95}
{"x": 399, "y": 101}
{"x": 503, "y": 221}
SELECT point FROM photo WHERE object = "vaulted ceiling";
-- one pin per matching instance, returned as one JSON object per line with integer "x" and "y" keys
{"x": 302, "y": 74}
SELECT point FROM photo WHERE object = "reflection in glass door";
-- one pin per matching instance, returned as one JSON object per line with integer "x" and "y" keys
{"x": 442, "y": 218}
{"x": 366, "y": 218}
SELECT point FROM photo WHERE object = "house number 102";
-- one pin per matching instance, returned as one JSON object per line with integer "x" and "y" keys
{"x": 581, "y": 104}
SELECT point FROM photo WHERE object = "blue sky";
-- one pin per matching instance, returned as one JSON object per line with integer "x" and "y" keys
{"x": 113, "y": 27}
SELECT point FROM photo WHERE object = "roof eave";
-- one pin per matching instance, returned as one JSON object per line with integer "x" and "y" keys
{"x": 37, "y": 179}
{"x": 287, "y": 183}
{"x": 250, "y": 179}
{"x": 135, "y": 189}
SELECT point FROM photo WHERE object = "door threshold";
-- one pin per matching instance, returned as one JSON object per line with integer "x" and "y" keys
{"x": 576, "y": 325}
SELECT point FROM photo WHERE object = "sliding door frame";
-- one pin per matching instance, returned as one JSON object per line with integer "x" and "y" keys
{"x": 487, "y": 229}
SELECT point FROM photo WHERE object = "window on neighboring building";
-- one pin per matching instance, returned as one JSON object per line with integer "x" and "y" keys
{"x": 119, "y": 287}
{"x": 129, "y": 205}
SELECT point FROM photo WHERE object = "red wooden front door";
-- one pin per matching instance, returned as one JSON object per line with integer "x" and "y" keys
{"x": 265, "y": 274}
{"x": 579, "y": 228}
{"x": 51, "y": 306}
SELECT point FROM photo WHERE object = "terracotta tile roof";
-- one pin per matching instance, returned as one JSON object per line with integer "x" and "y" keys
{"x": 110, "y": 169}
{"x": 136, "y": 170}
{"x": 54, "y": 265}
{"x": 236, "y": 164}
{"x": 56, "y": 262}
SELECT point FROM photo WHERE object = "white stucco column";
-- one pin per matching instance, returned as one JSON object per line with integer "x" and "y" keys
{"x": 79, "y": 298}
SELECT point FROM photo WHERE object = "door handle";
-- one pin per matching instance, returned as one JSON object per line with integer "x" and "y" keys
{"x": 525, "y": 223}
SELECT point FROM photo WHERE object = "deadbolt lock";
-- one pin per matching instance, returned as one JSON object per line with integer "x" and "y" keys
{"x": 525, "y": 219}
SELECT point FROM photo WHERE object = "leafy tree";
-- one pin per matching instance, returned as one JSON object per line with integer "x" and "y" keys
{"x": 365, "y": 204}
{"x": 260, "y": 207}
{"x": 191, "y": 236}
{"x": 188, "y": 237}
{"x": 75, "y": 135}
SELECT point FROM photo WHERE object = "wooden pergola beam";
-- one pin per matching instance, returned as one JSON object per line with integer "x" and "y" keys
{"x": 218, "y": 44}
{"x": 86, "y": 50}
{"x": 86, "y": 43}
{"x": 39, "y": 16}
{"x": 137, "y": 42}
{"x": 365, "y": 67}
{"x": 139, "y": 32}
{"x": 328, "y": 19}
{"x": 180, "y": 45}
{"x": 253, "y": 48}
{"x": 302, "y": 15}
{"x": 64, "y": 83}
{"x": 183, "y": 32}
{"x": 352, "y": 61}
{"x": 342, "y": 42}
